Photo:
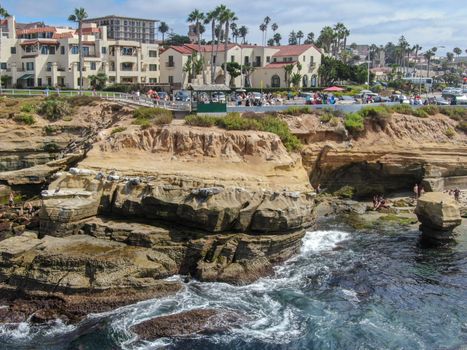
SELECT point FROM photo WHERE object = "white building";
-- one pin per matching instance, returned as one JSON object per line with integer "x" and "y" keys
{"x": 268, "y": 64}
{"x": 48, "y": 56}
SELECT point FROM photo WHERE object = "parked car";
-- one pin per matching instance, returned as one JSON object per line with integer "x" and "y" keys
{"x": 346, "y": 100}
{"x": 459, "y": 100}
{"x": 381, "y": 99}
{"x": 182, "y": 96}
{"x": 163, "y": 95}
{"x": 218, "y": 97}
{"x": 440, "y": 101}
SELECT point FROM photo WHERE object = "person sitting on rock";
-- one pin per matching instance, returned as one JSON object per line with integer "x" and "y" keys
{"x": 11, "y": 200}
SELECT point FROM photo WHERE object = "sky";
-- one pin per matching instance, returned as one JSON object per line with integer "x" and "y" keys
{"x": 427, "y": 23}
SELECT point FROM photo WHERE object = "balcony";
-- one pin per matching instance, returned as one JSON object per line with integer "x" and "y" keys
{"x": 170, "y": 64}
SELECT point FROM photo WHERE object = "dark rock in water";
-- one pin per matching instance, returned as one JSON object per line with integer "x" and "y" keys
{"x": 439, "y": 215}
{"x": 201, "y": 321}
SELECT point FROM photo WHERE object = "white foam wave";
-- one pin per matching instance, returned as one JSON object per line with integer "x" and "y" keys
{"x": 318, "y": 241}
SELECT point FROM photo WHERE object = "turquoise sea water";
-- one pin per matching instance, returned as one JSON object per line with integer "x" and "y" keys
{"x": 346, "y": 290}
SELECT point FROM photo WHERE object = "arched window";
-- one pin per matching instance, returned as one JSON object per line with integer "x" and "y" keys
{"x": 305, "y": 81}
{"x": 275, "y": 81}
{"x": 314, "y": 81}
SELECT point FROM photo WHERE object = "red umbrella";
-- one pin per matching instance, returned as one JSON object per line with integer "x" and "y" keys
{"x": 334, "y": 89}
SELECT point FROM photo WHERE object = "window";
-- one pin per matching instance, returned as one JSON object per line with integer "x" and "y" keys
{"x": 44, "y": 50}
{"x": 49, "y": 66}
{"x": 275, "y": 81}
{"x": 49, "y": 81}
{"x": 152, "y": 80}
{"x": 62, "y": 50}
{"x": 305, "y": 81}
{"x": 274, "y": 59}
{"x": 13, "y": 50}
{"x": 153, "y": 67}
{"x": 3, "y": 65}
{"x": 74, "y": 50}
{"x": 93, "y": 66}
{"x": 127, "y": 66}
{"x": 152, "y": 53}
{"x": 29, "y": 65}
{"x": 171, "y": 79}
{"x": 52, "y": 50}
{"x": 258, "y": 61}
{"x": 214, "y": 59}
{"x": 246, "y": 61}
{"x": 171, "y": 62}
{"x": 232, "y": 58}
{"x": 85, "y": 51}
{"x": 268, "y": 59}
{"x": 311, "y": 60}
{"x": 104, "y": 50}
{"x": 127, "y": 51}
{"x": 39, "y": 82}
{"x": 304, "y": 58}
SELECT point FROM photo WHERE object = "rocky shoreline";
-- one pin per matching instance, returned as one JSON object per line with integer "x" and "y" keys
{"x": 143, "y": 205}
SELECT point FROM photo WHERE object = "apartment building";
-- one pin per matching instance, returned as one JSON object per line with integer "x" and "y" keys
{"x": 268, "y": 64}
{"x": 42, "y": 55}
{"x": 127, "y": 28}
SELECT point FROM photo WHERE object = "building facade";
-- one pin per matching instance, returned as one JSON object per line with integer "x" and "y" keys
{"x": 127, "y": 28}
{"x": 267, "y": 65}
{"x": 43, "y": 56}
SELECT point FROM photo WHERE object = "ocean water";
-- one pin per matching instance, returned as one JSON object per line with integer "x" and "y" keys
{"x": 345, "y": 290}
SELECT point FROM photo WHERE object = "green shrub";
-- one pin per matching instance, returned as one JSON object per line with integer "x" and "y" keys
{"x": 334, "y": 122}
{"x": 54, "y": 109}
{"x": 281, "y": 129}
{"x": 345, "y": 192}
{"x": 377, "y": 114}
{"x": 201, "y": 120}
{"x": 50, "y": 129}
{"x": 117, "y": 130}
{"x": 450, "y": 133}
{"x": 24, "y": 118}
{"x": 455, "y": 113}
{"x": 158, "y": 116}
{"x": 144, "y": 123}
{"x": 402, "y": 109}
{"x": 51, "y": 147}
{"x": 420, "y": 113}
{"x": 353, "y": 122}
{"x": 28, "y": 108}
{"x": 296, "y": 110}
{"x": 325, "y": 118}
{"x": 430, "y": 109}
{"x": 233, "y": 121}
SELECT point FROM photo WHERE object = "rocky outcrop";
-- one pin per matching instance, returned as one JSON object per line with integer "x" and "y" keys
{"x": 439, "y": 215}
{"x": 188, "y": 323}
{"x": 406, "y": 151}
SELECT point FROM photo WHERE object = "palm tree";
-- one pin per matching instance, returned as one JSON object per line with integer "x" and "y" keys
{"x": 428, "y": 56}
{"x": 288, "y": 71}
{"x": 404, "y": 48}
{"x": 234, "y": 29}
{"x": 221, "y": 11}
{"x": 98, "y": 81}
{"x": 266, "y": 21}
{"x": 211, "y": 17}
{"x": 78, "y": 16}
{"x": 163, "y": 28}
{"x": 243, "y": 31}
{"x": 197, "y": 17}
{"x": 340, "y": 33}
{"x": 275, "y": 27}
{"x": 4, "y": 13}
{"x": 277, "y": 39}
{"x": 310, "y": 38}
{"x": 416, "y": 48}
{"x": 227, "y": 17}
{"x": 263, "y": 27}
{"x": 326, "y": 38}
{"x": 300, "y": 36}
{"x": 293, "y": 38}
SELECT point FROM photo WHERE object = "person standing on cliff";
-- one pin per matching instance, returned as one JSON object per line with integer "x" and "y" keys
{"x": 457, "y": 194}
{"x": 415, "y": 191}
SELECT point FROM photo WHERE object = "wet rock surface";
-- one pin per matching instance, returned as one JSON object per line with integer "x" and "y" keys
{"x": 189, "y": 323}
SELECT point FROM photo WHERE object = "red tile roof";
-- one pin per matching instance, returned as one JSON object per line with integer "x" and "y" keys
{"x": 67, "y": 35}
{"x": 292, "y": 50}
{"x": 41, "y": 41}
{"x": 36, "y": 30}
{"x": 208, "y": 48}
{"x": 182, "y": 49}
{"x": 277, "y": 65}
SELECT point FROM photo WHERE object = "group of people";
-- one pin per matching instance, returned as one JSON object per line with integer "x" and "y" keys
{"x": 25, "y": 208}
{"x": 379, "y": 202}
{"x": 319, "y": 98}
{"x": 418, "y": 191}
{"x": 456, "y": 193}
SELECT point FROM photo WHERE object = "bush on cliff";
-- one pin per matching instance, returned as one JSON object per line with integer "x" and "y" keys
{"x": 54, "y": 109}
{"x": 234, "y": 121}
{"x": 25, "y": 118}
{"x": 430, "y": 109}
{"x": 353, "y": 122}
{"x": 296, "y": 110}
{"x": 281, "y": 129}
{"x": 146, "y": 116}
{"x": 455, "y": 113}
{"x": 201, "y": 120}
{"x": 402, "y": 109}
{"x": 377, "y": 114}
{"x": 463, "y": 126}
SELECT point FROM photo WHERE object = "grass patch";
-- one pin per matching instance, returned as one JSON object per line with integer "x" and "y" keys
{"x": 54, "y": 109}
{"x": 233, "y": 121}
{"x": 296, "y": 111}
{"x": 402, "y": 109}
{"x": 462, "y": 126}
{"x": 450, "y": 133}
{"x": 147, "y": 116}
{"x": 430, "y": 109}
{"x": 28, "y": 108}
{"x": 455, "y": 113}
{"x": 201, "y": 120}
{"x": 25, "y": 118}
{"x": 117, "y": 130}
{"x": 326, "y": 117}
{"x": 420, "y": 113}
{"x": 353, "y": 122}
{"x": 52, "y": 147}
{"x": 377, "y": 114}
{"x": 81, "y": 101}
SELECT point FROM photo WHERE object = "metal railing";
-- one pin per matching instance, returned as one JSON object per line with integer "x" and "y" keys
{"x": 131, "y": 99}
